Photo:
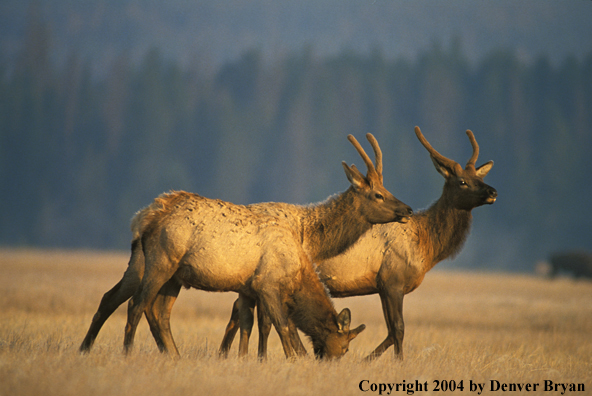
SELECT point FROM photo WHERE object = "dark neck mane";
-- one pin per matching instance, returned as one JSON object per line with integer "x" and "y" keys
{"x": 329, "y": 228}
{"x": 312, "y": 311}
{"x": 442, "y": 231}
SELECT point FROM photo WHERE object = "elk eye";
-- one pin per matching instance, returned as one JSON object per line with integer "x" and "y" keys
{"x": 379, "y": 196}
{"x": 462, "y": 182}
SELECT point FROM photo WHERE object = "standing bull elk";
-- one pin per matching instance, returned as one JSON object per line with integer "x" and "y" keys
{"x": 260, "y": 252}
{"x": 392, "y": 259}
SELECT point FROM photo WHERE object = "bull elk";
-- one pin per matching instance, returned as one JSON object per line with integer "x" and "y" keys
{"x": 259, "y": 251}
{"x": 392, "y": 259}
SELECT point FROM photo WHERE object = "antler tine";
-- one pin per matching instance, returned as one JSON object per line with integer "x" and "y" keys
{"x": 473, "y": 159}
{"x": 431, "y": 150}
{"x": 362, "y": 153}
{"x": 377, "y": 153}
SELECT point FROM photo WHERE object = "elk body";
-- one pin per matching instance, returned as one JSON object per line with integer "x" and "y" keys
{"x": 184, "y": 239}
{"x": 392, "y": 259}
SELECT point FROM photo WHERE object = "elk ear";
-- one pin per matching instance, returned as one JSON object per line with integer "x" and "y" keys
{"x": 354, "y": 333}
{"x": 357, "y": 180}
{"x": 484, "y": 169}
{"x": 442, "y": 168}
{"x": 343, "y": 320}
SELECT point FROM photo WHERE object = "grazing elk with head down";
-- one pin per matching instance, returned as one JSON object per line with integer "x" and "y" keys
{"x": 392, "y": 259}
{"x": 260, "y": 251}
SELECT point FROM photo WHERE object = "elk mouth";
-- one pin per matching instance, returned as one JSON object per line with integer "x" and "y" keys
{"x": 491, "y": 196}
{"x": 402, "y": 219}
{"x": 404, "y": 216}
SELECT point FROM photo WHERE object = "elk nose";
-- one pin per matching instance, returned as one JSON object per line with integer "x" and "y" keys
{"x": 404, "y": 214}
{"x": 404, "y": 211}
{"x": 491, "y": 195}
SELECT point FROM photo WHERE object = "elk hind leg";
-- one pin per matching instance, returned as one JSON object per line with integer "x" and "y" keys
{"x": 142, "y": 299}
{"x": 246, "y": 306}
{"x": 116, "y": 296}
{"x": 392, "y": 307}
{"x": 264, "y": 325}
{"x": 109, "y": 303}
{"x": 158, "y": 316}
{"x": 231, "y": 330}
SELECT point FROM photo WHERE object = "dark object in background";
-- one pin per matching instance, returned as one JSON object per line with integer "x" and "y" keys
{"x": 576, "y": 263}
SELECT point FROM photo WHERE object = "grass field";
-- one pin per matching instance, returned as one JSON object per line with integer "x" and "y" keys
{"x": 474, "y": 328}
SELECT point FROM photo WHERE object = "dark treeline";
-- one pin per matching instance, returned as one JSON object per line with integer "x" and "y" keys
{"x": 79, "y": 155}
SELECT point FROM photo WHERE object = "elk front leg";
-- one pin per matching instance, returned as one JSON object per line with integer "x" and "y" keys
{"x": 271, "y": 305}
{"x": 231, "y": 329}
{"x": 264, "y": 325}
{"x": 392, "y": 307}
{"x": 296, "y": 341}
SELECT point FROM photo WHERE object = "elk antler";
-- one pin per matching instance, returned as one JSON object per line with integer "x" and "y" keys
{"x": 371, "y": 169}
{"x": 436, "y": 155}
{"x": 377, "y": 153}
{"x": 473, "y": 159}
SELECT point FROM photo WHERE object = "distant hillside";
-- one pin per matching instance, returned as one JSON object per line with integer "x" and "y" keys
{"x": 75, "y": 146}
{"x": 211, "y": 32}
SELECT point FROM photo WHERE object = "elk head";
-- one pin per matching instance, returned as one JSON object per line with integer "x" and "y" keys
{"x": 377, "y": 204}
{"x": 337, "y": 343}
{"x": 464, "y": 188}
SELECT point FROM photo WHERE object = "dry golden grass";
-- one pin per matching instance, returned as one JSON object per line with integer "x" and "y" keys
{"x": 459, "y": 326}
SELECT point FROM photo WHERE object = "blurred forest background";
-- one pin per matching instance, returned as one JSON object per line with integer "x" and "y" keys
{"x": 106, "y": 104}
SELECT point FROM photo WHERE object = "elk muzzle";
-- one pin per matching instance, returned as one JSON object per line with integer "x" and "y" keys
{"x": 401, "y": 212}
{"x": 491, "y": 195}
{"x": 404, "y": 215}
